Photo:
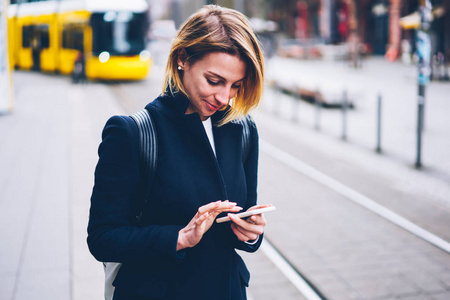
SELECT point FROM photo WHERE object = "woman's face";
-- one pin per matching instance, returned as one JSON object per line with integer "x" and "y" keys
{"x": 212, "y": 81}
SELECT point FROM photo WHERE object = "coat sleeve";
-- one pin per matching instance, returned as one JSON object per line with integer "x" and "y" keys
{"x": 112, "y": 233}
{"x": 251, "y": 177}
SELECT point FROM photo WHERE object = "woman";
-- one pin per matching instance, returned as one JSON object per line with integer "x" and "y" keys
{"x": 214, "y": 75}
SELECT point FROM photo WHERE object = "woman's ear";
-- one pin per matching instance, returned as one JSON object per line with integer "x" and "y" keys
{"x": 182, "y": 58}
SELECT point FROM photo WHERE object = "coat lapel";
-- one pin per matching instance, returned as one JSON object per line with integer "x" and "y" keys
{"x": 229, "y": 157}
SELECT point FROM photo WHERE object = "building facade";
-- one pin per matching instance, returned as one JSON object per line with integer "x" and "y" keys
{"x": 374, "y": 23}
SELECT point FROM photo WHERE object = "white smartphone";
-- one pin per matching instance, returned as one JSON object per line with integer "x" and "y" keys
{"x": 248, "y": 213}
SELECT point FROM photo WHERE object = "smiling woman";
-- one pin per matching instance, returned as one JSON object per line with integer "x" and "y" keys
{"x": 211, "y": 82}
{"x": 207, "y": 163}
{"x": 228, "y": 32}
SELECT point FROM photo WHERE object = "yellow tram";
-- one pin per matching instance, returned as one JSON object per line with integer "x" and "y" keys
{"x": 108, "y": 36}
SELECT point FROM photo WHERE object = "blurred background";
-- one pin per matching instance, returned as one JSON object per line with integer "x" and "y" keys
{"x": 354, "y": 140}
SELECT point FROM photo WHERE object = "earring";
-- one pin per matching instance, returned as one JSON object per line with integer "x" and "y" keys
{"x": 179, "y": 68}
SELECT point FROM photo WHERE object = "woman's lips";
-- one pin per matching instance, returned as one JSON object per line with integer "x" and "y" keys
{"x": 211, "y": 106}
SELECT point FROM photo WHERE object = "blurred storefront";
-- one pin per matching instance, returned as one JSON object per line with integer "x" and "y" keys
{"x": 375, "y": 24}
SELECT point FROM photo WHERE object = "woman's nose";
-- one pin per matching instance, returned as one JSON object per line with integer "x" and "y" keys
{"x": 223, "y": 96}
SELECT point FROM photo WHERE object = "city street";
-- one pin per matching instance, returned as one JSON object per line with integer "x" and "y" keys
{"x": 320, "y": 184}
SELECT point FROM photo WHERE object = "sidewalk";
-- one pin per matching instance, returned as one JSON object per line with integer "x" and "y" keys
{"x": 47, "y": 157}
{"x": 35, "y": 202}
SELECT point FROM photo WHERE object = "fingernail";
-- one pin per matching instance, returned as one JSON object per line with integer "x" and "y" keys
{"x": 240, "y": 208}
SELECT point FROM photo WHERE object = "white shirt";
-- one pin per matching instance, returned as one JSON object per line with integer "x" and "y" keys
{"x": 209, "y": 132}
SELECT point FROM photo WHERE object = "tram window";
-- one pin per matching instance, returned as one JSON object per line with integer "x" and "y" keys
{"x": 26, "y": 36}
{"x": 44, "y": 36}
{"x": 32, "y": 32}
{"x": 118, "y": 33}
{"x": 73, "y": 38}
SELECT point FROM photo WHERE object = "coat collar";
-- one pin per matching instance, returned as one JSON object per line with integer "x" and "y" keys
{"x": 178, "y": 103}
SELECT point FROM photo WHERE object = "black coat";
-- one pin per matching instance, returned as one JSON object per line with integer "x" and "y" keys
{"x": 188, "y": 175}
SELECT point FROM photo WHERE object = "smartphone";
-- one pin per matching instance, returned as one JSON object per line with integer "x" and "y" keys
{"x": 248, "y": 213}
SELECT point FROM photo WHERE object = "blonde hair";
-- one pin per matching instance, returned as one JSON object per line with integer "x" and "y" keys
{"x": 218, "y": 29}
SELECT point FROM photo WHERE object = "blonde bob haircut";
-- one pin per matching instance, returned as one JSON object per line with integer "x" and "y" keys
{"x": 218, "y": 29}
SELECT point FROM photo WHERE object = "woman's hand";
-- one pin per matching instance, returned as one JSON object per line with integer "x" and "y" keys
{"x": 191, "y": 235}
{"x": 249, "y": 229}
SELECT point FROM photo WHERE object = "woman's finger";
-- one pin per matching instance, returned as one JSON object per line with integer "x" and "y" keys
{"x": 231, "y": 209}
{"x": 254, "y": 228}
{"x": 201, "y": 218}
{"x": 258, "y": 220}
{"x": 208, "y": 207}
{"x": 219, "y": 206}
{"x": 238, "y": 233}
{"x": 228, "y": 206}
{"x": 249, "y": 235}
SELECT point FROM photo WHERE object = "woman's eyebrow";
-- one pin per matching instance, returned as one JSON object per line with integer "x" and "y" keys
{"x": 220, "y": 77}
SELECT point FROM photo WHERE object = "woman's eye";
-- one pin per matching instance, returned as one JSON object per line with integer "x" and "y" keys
{"x": 212, "y": 82}
{"x": 236, "y": 86}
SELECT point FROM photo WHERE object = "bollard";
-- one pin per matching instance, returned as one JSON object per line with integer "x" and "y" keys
{"x": 318, "y": 109}
{"x": 420, "y": 120}
{"x": 344, "y": 116}
{"x": 378, "y": 149}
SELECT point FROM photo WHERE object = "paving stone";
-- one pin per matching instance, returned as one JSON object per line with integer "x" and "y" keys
{"x": 440, "y": 296}
{"x": 266, "y": 281}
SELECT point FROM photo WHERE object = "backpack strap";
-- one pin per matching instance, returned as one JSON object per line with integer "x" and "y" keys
{"x": 148, "y": 153}
{"x": 246, "y": 123}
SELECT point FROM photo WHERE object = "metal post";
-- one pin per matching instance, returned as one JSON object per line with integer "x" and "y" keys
{"x": 378, "y": 149}
{"x": 420, "y": 113}
{"x": 424, "y": 55}
{"x": 344, "y": 116}
{"x": 318, "y": 109}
